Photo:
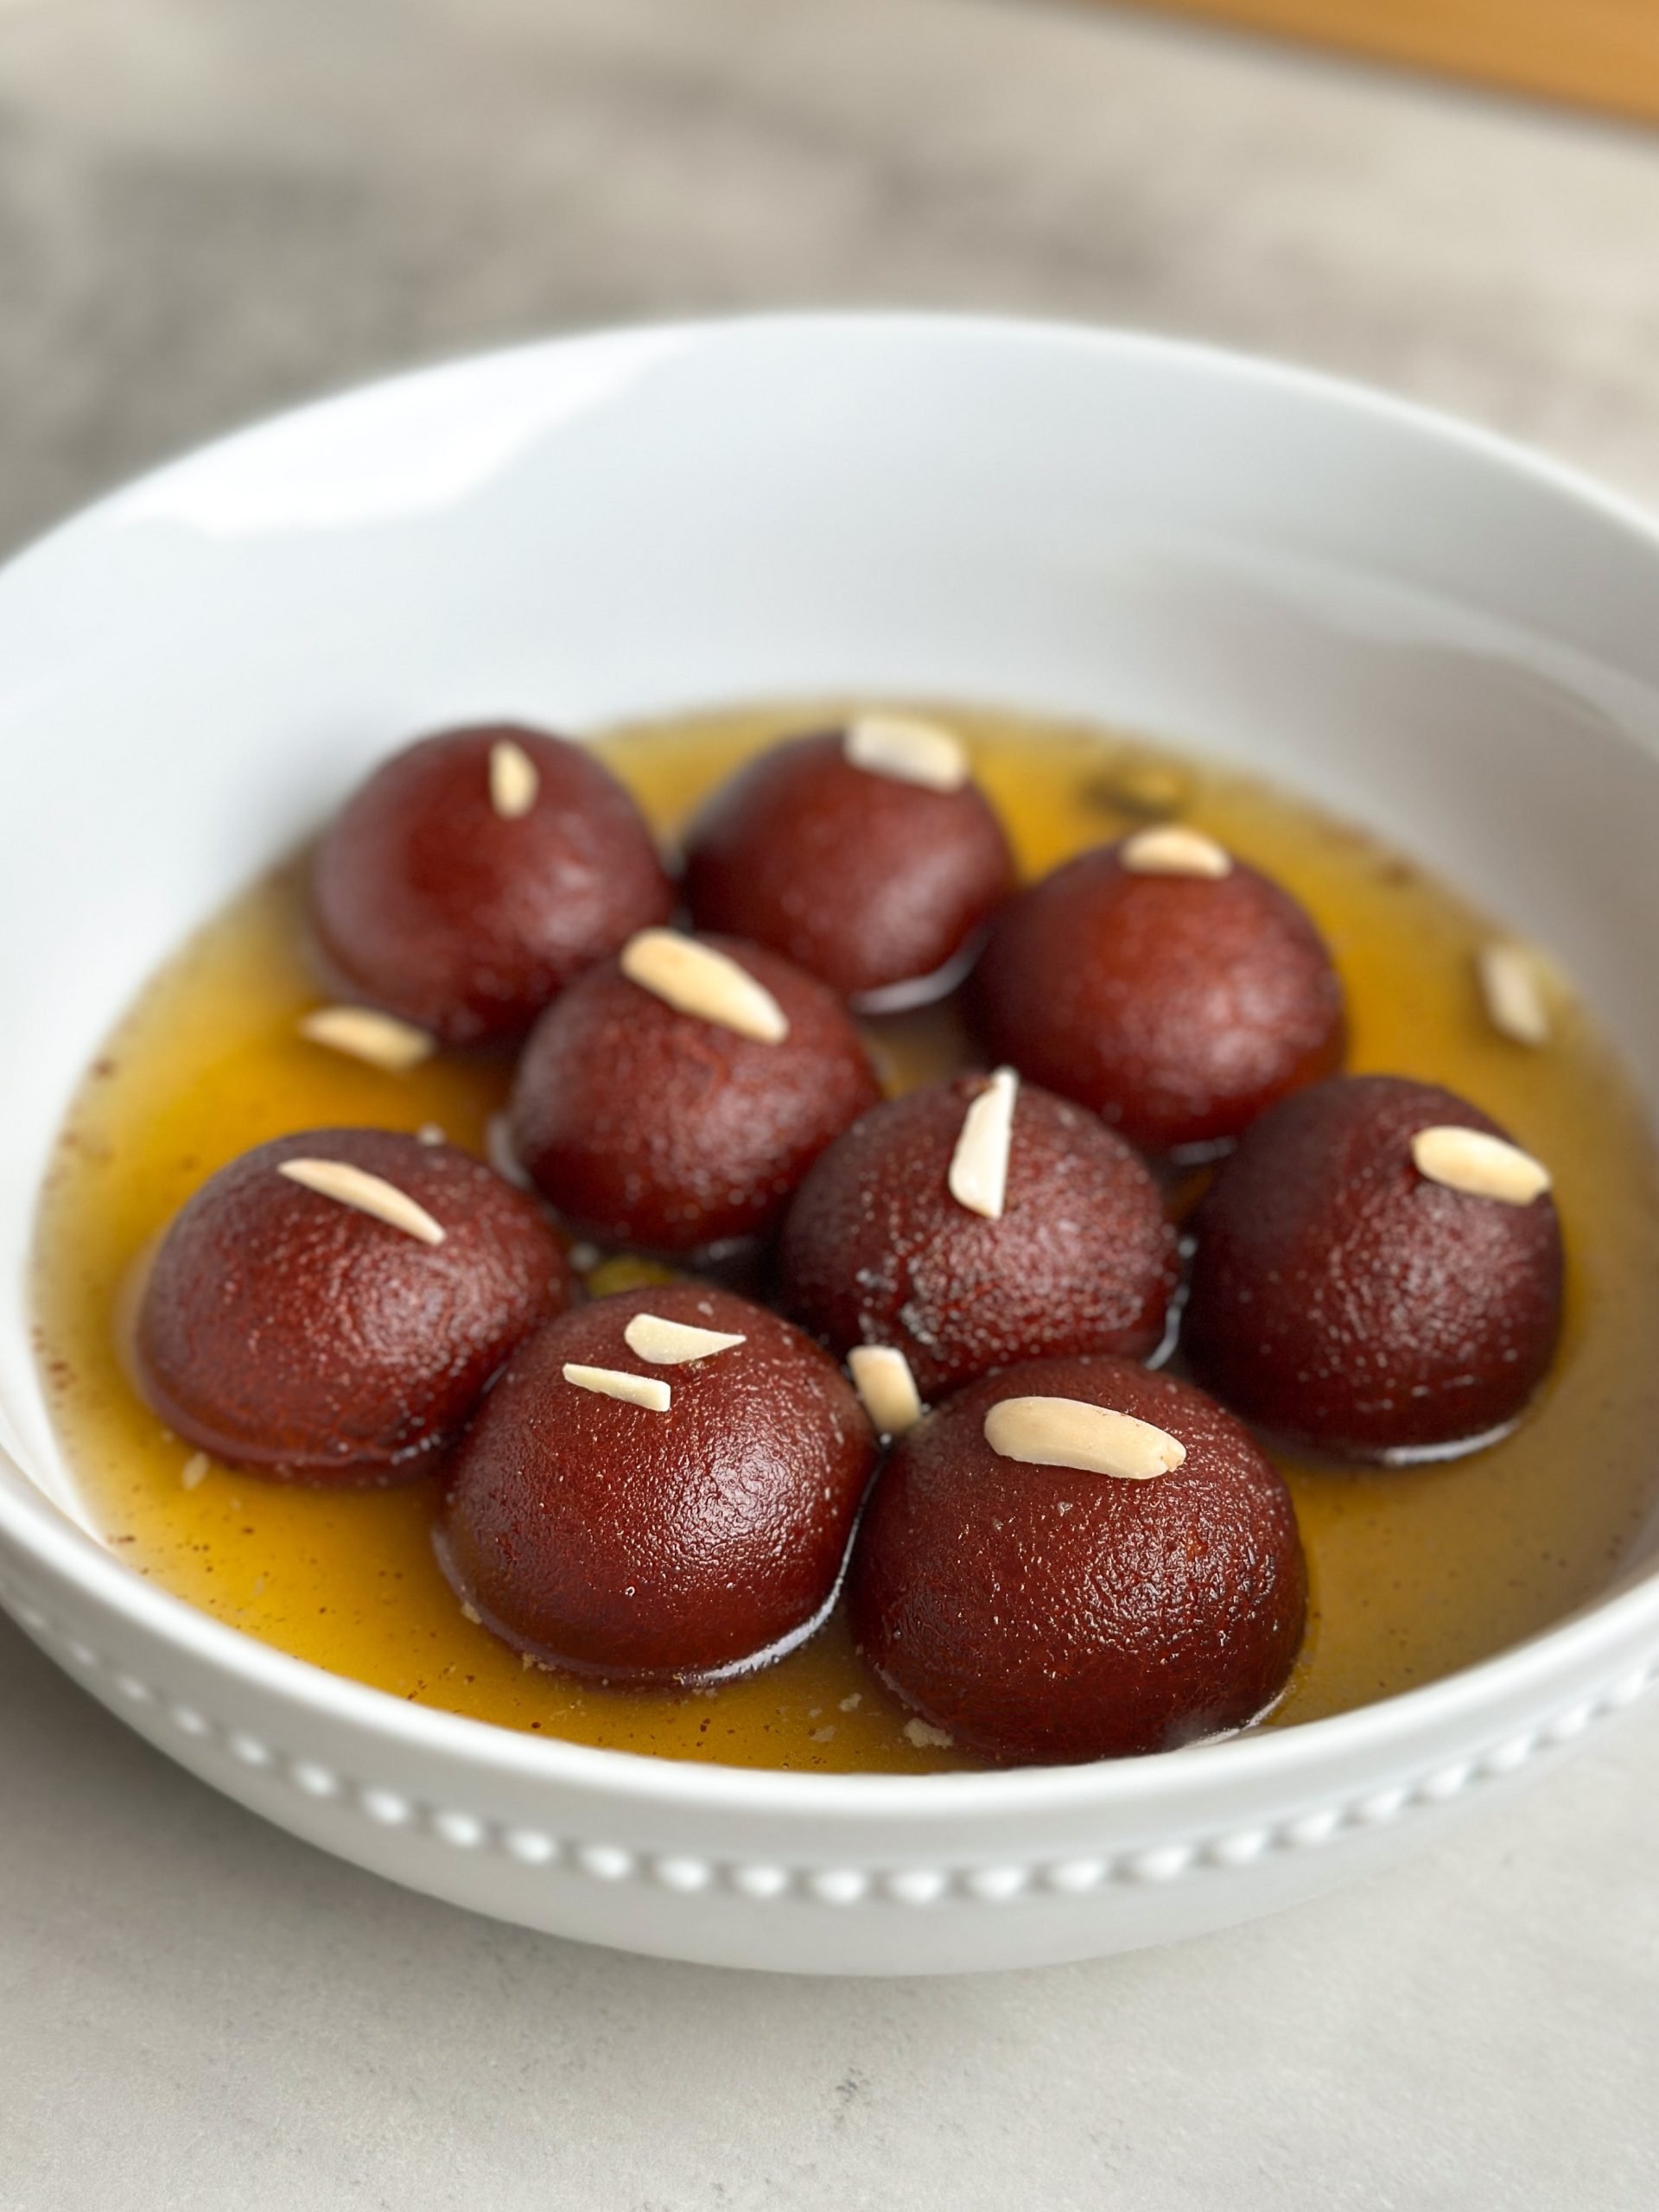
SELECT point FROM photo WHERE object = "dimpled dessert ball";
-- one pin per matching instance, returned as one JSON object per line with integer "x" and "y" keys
{"x": 474, "y": 874}
{"x": 1166, "y": 985}
{"x": 1379, "y": 1272}
{"x": 866, "y": 855}
{"x": 673, "y": 1097}
{"x": 661, "y": 1488}
{"x": 1077, "y": 1558}
{"x": 878, "y": 1248}
{"x": 330, "y": 1307}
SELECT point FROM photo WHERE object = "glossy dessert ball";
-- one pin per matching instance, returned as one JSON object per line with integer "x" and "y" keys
{"x": 1178, "y": 999}
{"x": 857, "y": 871}
{"x": 1039, "y": 1613}
{"x": 876, "y": 1250}
{"x": 668, "y": 1541}
{"x": 285, "y": 1329}
{"x": 1346, "y": 1299}
{"x": 657, "y": 1127}
{"x": 474, "y": 874}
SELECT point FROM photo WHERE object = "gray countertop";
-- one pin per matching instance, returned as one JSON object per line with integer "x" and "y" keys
{"x": 209, "y": 208}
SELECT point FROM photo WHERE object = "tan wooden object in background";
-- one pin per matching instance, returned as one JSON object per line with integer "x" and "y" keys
{"x": 1595, "y": 52}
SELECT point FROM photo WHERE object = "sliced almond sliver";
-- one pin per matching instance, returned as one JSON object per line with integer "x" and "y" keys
{"x": 1171, "y": 848}
{"x": 195, "y": 1471}
{"x": 696, "y": 979}
{"x": 1485, "y": 1167}
{"x": 514, "y": 781}
{"x": 1070, "y": 1433}
{"x": 1511, "y": 985}
{"x": 369, "y": 1194}
{"x": 979, "y": 1165}
{"x": 672, "y": 1344}
{"x": 646, "y": 1390}
{"x": 883, "y": 1378}
{"x": 907, "y": 749}
{"x": 364, "y": 1034}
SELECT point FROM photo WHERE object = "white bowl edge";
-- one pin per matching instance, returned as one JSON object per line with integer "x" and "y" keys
{"x": 683, "y": 1858}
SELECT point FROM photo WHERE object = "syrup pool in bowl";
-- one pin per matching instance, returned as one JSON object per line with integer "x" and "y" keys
{"x": 1415, "y": 1572}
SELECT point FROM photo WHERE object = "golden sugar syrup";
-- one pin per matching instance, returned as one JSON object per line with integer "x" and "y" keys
{"x": 1414, "y": 1572}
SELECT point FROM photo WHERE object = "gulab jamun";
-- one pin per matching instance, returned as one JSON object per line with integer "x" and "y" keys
{"x": 877, "y": 1249}
{"x": 1040, "y": 1612}
{"x": 1164, "y": 985}
{"x": 660, "y": 1488}
{"x": 866, "y": 855}
{"x": 328, "y": 1308}
{"x": 650, "y": 1124}
{"x": 473, "y": 874}
{"x": 1346, "y": 1299}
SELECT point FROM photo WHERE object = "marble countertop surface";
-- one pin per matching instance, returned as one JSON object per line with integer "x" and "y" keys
{"x": 210, "y": 207}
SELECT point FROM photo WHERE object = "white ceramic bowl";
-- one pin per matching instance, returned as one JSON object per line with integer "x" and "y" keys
{"x": 1446, "y": 637}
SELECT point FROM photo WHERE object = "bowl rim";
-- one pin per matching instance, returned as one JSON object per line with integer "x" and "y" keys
{"x": 1595, "y": 1631}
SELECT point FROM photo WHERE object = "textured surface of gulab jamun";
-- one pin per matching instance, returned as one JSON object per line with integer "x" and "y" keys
{"x": 608, "y": 1539}
{"x": 876, "y": 1250}
{"x": 863, "y": 879}
{"x": 1175, "y": 1007}
{"x": 1039, "y": 1615}
{"x": 657, "y": 1129}
{"x": 283, "y": 1331}
{"x": 1345, "y": 1302}
{"x": 426, "y": 901}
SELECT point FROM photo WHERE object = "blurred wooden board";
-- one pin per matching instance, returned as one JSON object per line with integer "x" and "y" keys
{"x": 1594, "y": 52}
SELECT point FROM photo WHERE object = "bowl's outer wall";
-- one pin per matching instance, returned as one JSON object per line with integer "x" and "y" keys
{"x": 1409, "y": 621}
{"x": 892, "y": 1884}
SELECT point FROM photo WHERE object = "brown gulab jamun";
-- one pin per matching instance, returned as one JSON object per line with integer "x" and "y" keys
{"x": 866, "y": 855}
{"x": 660, "y": 1488}
{"x": 464, "y": 884}
{"x": 328, "y": 1308}
{"x": 1347, "y": 1298}
{"x": 649, "y": 1123}
{"x": 1164, "y": 985}
{"x": 878, "y": 1249}
{"x": 1040, "y": 1612}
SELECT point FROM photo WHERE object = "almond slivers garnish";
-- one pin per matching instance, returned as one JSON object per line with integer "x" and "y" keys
{"x": 672, "y": 1344}
{"x": 979, "y": 1167}
{"x": 886, "y": 1388}
{"x": 364, "y": 1034}
{"x": 645, "y": 1390}
{"x": 908, "y": 750}
{"x": 1172, "y": 849}
{"x": 514, "y": 781}
{"x": 1070, "y": 1433}
{"x": 371, "y": 1194}
{"x": 696, "y": 979}
{"x": 1513, "y": 992}
{"x": 1485, "y": 1167}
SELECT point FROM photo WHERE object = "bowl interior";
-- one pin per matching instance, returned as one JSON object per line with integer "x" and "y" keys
{"x": 1408, "y": 623}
